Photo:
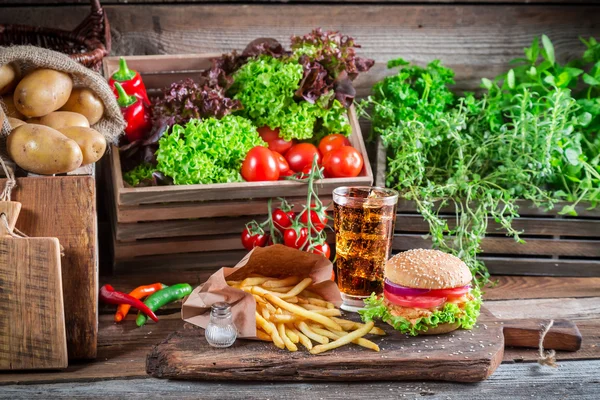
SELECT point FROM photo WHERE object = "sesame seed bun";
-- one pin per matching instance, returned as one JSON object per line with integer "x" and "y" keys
{"x": 427, "y": 269}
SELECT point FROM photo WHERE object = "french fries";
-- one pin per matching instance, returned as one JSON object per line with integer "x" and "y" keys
{"x": 357, "y": 334}
{"x": 289, "y": 313}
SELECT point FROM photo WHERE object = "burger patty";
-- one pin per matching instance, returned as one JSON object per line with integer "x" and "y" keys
{"x": 413, "y": 314}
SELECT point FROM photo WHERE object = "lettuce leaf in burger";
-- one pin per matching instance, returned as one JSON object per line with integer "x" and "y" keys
{"x": 425, "y": 292}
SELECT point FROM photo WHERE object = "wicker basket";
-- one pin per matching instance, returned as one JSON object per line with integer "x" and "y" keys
{"x": 88, "y": 43}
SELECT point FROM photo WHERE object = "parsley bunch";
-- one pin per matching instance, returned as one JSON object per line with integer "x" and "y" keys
{"x": 528, "y": 137}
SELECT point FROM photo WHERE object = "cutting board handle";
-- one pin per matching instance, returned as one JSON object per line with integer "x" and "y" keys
{"x": 11, "y": 209}
{"x": 564, "y": 334}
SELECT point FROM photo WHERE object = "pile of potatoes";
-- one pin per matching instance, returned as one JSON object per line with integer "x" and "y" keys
{"x": 50, "y": 121}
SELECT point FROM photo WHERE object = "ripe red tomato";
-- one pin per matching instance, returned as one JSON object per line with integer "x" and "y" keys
{"x": 414, "y": 301}
{"x": 282, "y": 219}
{"x": 271, "y": 136}
{"x": 332, "y": 142}
{"x": 295, "y": 240}
{"x": 301, "y": 155}
{"x": 322, "y": 249}
{"x": 260, "y": 165}
{"x": 343, "y": 162}
{"x": 318, "y": 220}
{"x": 281, "y": 163}
{"x": 250, "y": 241}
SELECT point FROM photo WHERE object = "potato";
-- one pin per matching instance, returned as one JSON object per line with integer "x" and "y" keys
{"x": 42, "y": 91}
{"x": 90, "y": 141}
{"x": 43, "y": 150}
{"x": 85, "y": 102}
{"x": 11, "y": 110}
{"x": 63, "y": 119}
{"x": 15, "y": 122}
{"x": 9, "y": 76}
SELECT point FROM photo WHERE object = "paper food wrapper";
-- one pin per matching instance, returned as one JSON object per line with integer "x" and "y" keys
{"x": 276, "y": 261}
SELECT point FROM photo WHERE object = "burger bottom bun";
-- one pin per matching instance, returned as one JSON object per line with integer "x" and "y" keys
{"x": 440, "y": 329}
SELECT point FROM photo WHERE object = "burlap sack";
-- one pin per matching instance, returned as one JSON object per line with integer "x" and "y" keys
{"x": 29, "y": 57}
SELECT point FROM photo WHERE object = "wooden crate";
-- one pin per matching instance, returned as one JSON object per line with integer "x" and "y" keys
{"x": 555, "y": 245}
{"x": 196, "y": 222}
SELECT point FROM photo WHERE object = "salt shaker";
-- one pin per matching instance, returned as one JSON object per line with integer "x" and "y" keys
{"x": 220, "y": 331}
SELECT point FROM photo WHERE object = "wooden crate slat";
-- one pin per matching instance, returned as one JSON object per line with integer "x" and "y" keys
{"x": 209, "y": 260}
{"x": 232, "y": 208}
{"x": 529, "y": 226}
{"x": 225, "y": 242}
{"x": 526, "y": 209}
{"x": 545, "y": 267}
{"x": 532, "y": 247}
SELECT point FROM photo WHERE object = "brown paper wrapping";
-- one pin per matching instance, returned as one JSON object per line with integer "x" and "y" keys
{"x": 277, "y": 261}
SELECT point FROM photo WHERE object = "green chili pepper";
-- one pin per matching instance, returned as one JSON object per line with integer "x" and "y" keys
{"x": 164, "y": 297}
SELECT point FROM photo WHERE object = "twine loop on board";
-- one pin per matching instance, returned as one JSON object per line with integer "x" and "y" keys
{"x": 11, "y": 182}
{"x": 549, "y": 357}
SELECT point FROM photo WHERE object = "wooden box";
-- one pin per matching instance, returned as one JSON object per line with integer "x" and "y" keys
{"x": 555, "y": 245}
{"x": 195, "y": 224}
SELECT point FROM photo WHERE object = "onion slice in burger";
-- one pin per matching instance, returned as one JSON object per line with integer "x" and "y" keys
{"x": 399, "y": 290}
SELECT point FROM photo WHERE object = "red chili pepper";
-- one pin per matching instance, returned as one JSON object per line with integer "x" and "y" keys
{"x": 130, "y": 80}
{"x": 136, "y": 114}
{"x": 109, "y": 295}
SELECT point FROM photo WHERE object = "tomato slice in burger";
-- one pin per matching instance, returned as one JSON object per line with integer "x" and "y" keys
{"x": 422, "y": 301}
{"x": 454, "y": 292}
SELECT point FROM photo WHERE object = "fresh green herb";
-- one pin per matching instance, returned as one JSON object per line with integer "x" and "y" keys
{"x": 466, "y": 317}
{"x": 141, "y": 173}
{"x": 528, "y": 137}
{"x": 207, "y": 151}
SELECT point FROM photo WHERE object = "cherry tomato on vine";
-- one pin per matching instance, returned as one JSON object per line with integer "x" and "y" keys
{"x": 250, "y": 241}
{"x": 281, "y": 163}
{"x": 332, "y": 142}
{"x": 302, "y": 155}
{"x": 282, "y": 219}
{"x": 271, "y": 136}
{"x": 260, "y": 165}
{"x": 293, "y": 239}
{"x": 343, "y": 162}
{"x": 318, "y": 220}
{"x": 322, "y": 248}
{"x": 282, "y": 175}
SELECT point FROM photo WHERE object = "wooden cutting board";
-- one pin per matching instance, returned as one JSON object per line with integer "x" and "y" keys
{"x": 460, "y": 356}
{"x": 65, "y": 207}
{"x": 32, "y": 322}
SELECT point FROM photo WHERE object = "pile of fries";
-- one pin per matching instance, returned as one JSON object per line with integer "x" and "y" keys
{"x": 288, "y": 313}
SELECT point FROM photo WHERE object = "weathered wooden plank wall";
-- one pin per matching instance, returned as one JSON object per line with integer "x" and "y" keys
{"x": 475, "y": 39}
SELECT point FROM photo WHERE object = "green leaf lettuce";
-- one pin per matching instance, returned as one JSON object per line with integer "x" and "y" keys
{"x": 451, "y": 313}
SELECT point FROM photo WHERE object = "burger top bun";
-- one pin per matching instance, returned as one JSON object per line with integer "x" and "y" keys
{"x": 427, "y": 269}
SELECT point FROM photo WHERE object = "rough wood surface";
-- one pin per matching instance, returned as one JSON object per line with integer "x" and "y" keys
{"x": 106, "y": 2}
{"x": 461, "y": 356}
{"x": 65, "y": 208}
{"x": 122, "y": 348}
{"x": 472, "y": 39}
{"x": 572, "y": 380}
{"x": 32, "y": 322}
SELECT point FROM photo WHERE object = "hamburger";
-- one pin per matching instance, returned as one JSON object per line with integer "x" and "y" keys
{"x": 425, "y": 292}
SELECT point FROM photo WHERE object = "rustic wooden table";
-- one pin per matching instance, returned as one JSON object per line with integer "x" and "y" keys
{"x": 475, "y": 39}
{"x": 120, "y": 369}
